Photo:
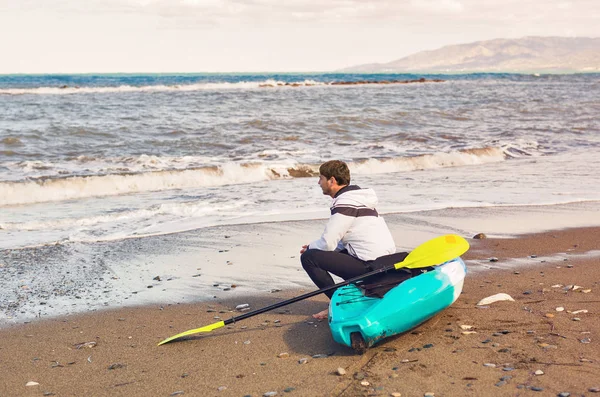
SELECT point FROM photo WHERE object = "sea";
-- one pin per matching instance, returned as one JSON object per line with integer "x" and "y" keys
{"x": 101, "y": 157}
{"x": 96, "y": 158}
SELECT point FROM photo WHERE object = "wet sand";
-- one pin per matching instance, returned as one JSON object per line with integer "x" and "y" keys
{"x": 262, "y": 354}
{"x": 225, "y": 262}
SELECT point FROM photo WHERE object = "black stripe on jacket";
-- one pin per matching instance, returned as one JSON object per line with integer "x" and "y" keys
{"x": 354, "y": 211}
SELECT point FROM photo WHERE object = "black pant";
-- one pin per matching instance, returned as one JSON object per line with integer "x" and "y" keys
{"x": 318, "y": 264}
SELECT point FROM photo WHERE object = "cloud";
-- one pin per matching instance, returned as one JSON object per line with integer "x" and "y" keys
{"x": 209, "y": 13}
{"x": 251, "y": 11}
{"x": 438, "y": 5}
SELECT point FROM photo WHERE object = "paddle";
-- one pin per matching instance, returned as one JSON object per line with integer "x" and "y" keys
{"x": 433, "y": 252}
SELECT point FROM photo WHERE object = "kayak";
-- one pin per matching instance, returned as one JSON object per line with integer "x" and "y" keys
{"x": 359, "y": 321}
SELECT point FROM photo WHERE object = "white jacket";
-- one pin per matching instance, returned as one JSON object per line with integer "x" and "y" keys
{"x": 356, "y": 226}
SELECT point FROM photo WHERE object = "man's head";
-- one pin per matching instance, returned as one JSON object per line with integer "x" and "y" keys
{"x": 334, "y": 175}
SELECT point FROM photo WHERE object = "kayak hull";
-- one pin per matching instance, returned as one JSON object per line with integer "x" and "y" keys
{"x": 402, "y": 308}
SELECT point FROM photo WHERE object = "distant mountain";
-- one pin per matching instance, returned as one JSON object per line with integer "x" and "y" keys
{"x": 527, "y": 54}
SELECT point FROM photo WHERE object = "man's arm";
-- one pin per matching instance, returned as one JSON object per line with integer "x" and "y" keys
{"x": 336, "y": 228}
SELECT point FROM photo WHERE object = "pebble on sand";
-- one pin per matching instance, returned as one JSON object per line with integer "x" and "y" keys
{"x": 578, "y": 311}
{"x": 85, "y": 344}
{"x": 340, "y": 371}
{"x": 495, "y": 298}
{"x": 32, "y": 383}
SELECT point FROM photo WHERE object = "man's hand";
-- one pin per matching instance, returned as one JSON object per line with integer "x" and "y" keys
{"x": 304, "y": 248}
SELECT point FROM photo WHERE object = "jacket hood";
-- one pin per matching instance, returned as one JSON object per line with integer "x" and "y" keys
{"x": 357, "y": 197}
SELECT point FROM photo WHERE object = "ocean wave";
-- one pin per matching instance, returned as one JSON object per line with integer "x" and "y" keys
{"x": 429, "y": 161}
{"x": 522, "y": 148}
{"x": 269, "y": 83}
{"x": 67, "y": 90}
{"x": 79, "y": 187}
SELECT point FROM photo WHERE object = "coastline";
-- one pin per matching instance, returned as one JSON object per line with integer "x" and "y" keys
{"x": 513, "y": 340}
{"x": 228, "y": 261}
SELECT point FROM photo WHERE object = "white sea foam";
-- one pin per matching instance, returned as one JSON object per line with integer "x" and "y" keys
{"x": 185, "y": 209}
{"x": 68, "y": 90}
{"x": 521, "y": 148}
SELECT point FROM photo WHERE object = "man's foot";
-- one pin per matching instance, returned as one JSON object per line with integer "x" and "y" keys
{"x": 321, "y": 315}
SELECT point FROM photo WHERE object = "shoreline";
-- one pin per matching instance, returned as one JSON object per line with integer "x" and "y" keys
{"x": 227, "y": 261}
{"x": 513, "y": 340}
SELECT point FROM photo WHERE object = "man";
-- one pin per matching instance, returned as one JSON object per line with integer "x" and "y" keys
{"x": 355, "y": 234}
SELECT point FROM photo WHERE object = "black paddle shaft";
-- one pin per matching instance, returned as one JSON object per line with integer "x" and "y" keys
{"x": 307, "y": 295}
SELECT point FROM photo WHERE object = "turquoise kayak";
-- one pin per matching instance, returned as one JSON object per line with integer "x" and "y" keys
{"x": 359, "y": 321}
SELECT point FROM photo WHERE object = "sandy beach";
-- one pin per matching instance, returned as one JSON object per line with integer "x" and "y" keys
{"x": 542, "y": 343}
{"x": 136, "y": 204}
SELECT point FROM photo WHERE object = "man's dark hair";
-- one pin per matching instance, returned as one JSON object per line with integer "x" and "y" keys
{"x": 337, "y": 169}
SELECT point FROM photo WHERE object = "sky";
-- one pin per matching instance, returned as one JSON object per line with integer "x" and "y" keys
{"x": 161, "y": 36}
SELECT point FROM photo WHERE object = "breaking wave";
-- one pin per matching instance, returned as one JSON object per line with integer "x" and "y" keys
{"x": 67, "y": 90}
{"x": 45, "y": 189}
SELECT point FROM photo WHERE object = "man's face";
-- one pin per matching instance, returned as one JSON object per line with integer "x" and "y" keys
{"x": 326, "y": 184}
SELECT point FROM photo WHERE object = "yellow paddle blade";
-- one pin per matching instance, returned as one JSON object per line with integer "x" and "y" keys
{"x": 207, "y": 328}
{"x": 435, "y": 251}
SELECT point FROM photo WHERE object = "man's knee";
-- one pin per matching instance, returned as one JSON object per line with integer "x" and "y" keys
{"x": 308, "y": 258}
